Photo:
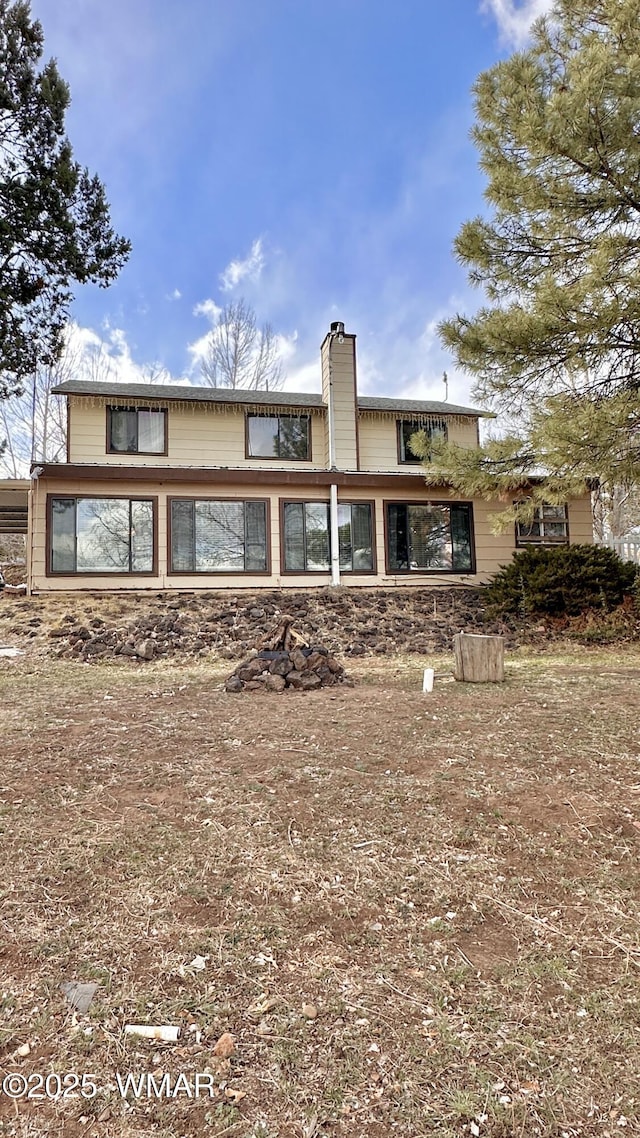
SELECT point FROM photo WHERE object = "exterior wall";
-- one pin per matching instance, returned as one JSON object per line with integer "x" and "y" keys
{"x": 580, "y": 521}
{"x": 491, "y": 551}
{"x": 198, "y": 435}
{"x": 14, "y": 493}
{"x": 379, "y": 439}
{"x": 339, "y": 375}
{"x": 201, "y": 435}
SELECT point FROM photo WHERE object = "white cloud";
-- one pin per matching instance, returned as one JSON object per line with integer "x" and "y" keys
{"x": 198, "y": 350}
{"x": 175, "y": 295}
{"x": 208, "y": 308}
{"x": 514, "y": 20}
{"x": 249, "y": 269}
{"x": 108, "y": 359}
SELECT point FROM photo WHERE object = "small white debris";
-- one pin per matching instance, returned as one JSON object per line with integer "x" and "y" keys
{"x": 262, "y": 959}
{"x": 199, "y": 963}
{"x": 167, "y": 1033}
{"x": 24, "y": 1050}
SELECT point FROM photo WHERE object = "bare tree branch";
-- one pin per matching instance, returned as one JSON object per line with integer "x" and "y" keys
{"x": 240, "y": 354}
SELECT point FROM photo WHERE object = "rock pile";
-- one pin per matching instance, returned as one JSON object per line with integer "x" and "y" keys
{"x": 350, "y": 623}
{"x": 284, "y": 659}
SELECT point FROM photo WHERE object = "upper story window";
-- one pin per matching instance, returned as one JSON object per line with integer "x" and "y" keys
{"x": 549, "y": 526}
{"x": 279, "y": 436}
{"x": 436, "y": 429}
{"x": 136, "y": 430}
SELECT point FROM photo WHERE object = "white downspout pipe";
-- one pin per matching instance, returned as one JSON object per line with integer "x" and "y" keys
{"x": 333, "y": 495}
{"x": 335, "y": 549}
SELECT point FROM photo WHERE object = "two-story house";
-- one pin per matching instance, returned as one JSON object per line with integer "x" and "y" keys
{"x": 172, "y": 487}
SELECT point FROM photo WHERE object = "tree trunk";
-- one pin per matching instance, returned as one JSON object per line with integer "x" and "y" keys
{"x": 479, "y": 659}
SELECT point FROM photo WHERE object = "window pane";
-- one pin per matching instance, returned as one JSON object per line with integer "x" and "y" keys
{"x": 316, "y": 516}
{"x": 182, "y": 537}
{"x": 429, "y": 537}
{"x": 123, "y": 431}
{"x": 354, "y": 536}
{"x": 361, "y": 537}
{"x": 63, "y": 535}
{"x": 555, "y": 529}
{"x": 344, "y": 538}
{"x": 219, "y": 536}
{"x": 554, "y": 512}
{"x": 151, "y": 432}
{"x": 255, "y": 548}
{"x": 409, "y": 427}
{"x": 294, "y": 537}
{"x": 461, "y": 538}
{"x": 263, "y": 436}
{"x": 142, "y": 537}
{"x": 103, "y": 536}
{"x": 294, "y": 437}
{"x": 397, "y": 536}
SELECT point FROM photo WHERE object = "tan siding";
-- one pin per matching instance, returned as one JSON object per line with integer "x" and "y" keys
{"x": 581, "y": 521}
{"x": 492, "y": 550}
{"x": 338, "y": 365}
{"x": 197, "y": 436}
{"x": 379, "y": 440}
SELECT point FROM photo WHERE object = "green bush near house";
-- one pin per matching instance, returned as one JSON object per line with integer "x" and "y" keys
{"x": 564, "y": 580}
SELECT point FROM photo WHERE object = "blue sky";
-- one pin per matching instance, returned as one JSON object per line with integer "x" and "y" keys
{"x": 311, "y": 157}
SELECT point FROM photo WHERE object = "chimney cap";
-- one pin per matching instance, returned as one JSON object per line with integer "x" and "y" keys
{"x": 337, "y": 327}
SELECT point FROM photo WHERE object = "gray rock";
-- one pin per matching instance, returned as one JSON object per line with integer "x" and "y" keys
{"x": 274, "y": 683}
{"x": 146, "y": 649}
{"x": 79, "y": 995}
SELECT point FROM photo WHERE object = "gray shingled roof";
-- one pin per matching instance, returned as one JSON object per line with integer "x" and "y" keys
{"x": 415, "y": 406}
{"x": 165, "y": 393}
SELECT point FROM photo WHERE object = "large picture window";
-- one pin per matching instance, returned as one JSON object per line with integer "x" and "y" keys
{"x": 549, "y": 526}
{"x": 218, "y": 536}
{"x": 101, "y": 535}
{"x": 407, "y": 428}
{"x": 141, "y": 430}
{"x": 279, "y": 436}
{"x": 307, "y": 537}
{"x": 429, "y": 536}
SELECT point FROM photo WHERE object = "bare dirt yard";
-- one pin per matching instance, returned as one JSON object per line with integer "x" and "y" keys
{"x": 415, "y": 914}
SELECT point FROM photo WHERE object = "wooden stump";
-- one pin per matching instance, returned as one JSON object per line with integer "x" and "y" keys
{"x": 479, "y": 659}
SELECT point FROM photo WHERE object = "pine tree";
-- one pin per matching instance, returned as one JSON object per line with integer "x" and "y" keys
{"x": 558, "y": 132}
{"x": 55, "y": 228}
{"x": 558, "y": 256}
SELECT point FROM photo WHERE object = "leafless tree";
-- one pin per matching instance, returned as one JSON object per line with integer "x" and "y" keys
{"x": 240, "y": 354}
{"x": 34, "y": 425}
{"x": 616, "y": 511}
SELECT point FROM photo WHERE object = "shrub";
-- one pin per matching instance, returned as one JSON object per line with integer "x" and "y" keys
{"x": 561, "y": 580}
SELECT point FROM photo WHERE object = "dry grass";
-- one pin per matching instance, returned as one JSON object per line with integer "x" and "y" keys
{"x": 450, "y": 880}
